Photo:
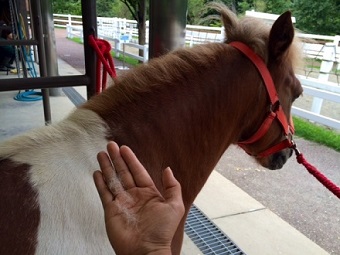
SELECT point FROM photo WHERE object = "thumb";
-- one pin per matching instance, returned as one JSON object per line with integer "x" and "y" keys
{"x": 172, "y": 190}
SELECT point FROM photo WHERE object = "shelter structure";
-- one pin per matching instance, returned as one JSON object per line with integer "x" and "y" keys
{"x": 40, "y": 36}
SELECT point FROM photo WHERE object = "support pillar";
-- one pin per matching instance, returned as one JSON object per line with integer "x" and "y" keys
{"x": 50, "y": 44}
{"x": 89, "y": 13}
{"x": 36, "y": 18}
{"x": 167, "y": 26}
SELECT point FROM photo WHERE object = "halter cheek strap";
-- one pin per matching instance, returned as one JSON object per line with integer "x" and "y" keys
{"x": 276, "y": 111}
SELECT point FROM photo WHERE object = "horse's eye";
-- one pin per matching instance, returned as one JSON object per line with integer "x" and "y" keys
{"x": 296, "y": 97}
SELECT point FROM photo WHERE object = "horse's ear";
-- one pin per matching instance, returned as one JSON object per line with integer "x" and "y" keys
{"x": 281, "y": 35}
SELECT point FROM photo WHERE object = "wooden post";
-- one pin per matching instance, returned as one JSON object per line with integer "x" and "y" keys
{"x": 328, "y": 60}
{"x": 167, "y": 26}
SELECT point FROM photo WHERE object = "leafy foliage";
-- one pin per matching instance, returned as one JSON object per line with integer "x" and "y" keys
{"x": 67, "y": 7}
{"x": 318, "y": 17}
{"x": 277, "y": 6}
{"x": 195, "y": 11}
{"x": 105, "y": 8}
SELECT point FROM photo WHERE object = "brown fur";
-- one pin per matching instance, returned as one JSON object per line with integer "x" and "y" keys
{"x": 184, "y": 109}
{"x": 181, "y": 110}
{"x": 20, "y": 209}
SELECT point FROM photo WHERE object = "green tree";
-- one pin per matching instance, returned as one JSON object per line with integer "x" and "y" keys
{"x": 277, "y": 6}
{"x": 105, "y": 8}
{"x": 120, "y": 10}
{"x": 67, "y": 7}
{"x": 195, "y": 11}
{"x": 317, "y": 17}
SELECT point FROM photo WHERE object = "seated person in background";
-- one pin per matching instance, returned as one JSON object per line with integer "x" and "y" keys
{"x": 7, "y": 52}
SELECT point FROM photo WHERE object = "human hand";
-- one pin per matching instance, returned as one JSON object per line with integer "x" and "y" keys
{"x": 139, "y": 220}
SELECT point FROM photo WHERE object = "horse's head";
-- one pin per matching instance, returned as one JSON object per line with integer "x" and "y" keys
{"x": 268, "y": 134}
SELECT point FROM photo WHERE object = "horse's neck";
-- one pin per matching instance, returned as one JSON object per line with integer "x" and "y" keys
{"x": 187, "y": 126}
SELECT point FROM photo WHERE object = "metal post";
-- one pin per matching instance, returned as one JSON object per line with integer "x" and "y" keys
{"x": 89, "y": 28}
{"x": 167, "y": 26}
{"x": 39, "y": 35}
{"x": 50, "y": 43}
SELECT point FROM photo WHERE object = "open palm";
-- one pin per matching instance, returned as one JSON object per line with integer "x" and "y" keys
{"x": 139, "y": 220}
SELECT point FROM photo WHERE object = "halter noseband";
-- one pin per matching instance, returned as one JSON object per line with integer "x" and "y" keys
{"x": 276, "y": 111}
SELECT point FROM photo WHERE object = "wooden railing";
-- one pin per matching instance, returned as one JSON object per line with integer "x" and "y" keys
{"x": 320, "y": 91}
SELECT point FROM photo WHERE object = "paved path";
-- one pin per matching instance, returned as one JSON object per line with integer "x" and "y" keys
{"x": 69, "y": 51}
{"x": 291, "y": 192}
{"x": 73, "y": 53}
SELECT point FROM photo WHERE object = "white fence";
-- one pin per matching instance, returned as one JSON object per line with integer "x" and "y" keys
{"x": 122, "y": 31}
{"x": 324, "y": 51}
{"x": 320, "y": 91}
{"x": 123, "y": 35}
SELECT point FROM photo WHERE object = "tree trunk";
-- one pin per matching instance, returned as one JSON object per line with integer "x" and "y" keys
{"x": 141, "y": 24}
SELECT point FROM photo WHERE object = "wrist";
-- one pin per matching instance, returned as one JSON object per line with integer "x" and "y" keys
{"x": 158, "y": 251}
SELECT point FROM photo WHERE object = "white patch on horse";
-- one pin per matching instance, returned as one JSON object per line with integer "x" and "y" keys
{"x": 63, "y": 159}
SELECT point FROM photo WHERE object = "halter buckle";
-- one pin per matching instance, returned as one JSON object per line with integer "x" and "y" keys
{"x": 294, "y": 147}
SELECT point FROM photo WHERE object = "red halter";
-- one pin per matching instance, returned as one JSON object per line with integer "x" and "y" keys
{"x": 276, "y": 111}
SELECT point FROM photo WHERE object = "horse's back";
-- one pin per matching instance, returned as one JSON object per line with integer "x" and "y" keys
{"x": 49, "y": 202}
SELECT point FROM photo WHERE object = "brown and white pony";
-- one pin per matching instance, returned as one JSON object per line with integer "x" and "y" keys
{"x": 181, "y": 110}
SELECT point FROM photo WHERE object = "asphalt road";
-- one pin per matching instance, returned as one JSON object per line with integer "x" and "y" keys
{"x": 292, "y": 193}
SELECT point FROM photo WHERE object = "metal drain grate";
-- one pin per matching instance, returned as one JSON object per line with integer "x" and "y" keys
{"x": 207, "y": 236}
{"x": 74, "y": 96}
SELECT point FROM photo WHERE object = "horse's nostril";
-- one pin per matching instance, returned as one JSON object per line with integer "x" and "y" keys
{"x": 278, "y": 160}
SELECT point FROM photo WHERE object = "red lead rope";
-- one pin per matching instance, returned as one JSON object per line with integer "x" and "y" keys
{"x": 103, "y": 50}
{"x": 316, "y": 173}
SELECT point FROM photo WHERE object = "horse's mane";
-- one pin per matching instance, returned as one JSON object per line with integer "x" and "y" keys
{"x": 160, "y": 73}
{"x": 183, "y": 64}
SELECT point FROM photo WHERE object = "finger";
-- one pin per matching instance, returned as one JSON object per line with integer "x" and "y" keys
{"x": 139, "y": 173}
{"x": 104, "y": 193}
{"x": 122, "y": 169}
{"x": 109, "y": 174}
{"x": 172, "y": 190}
{"x": 106, "y": 165}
